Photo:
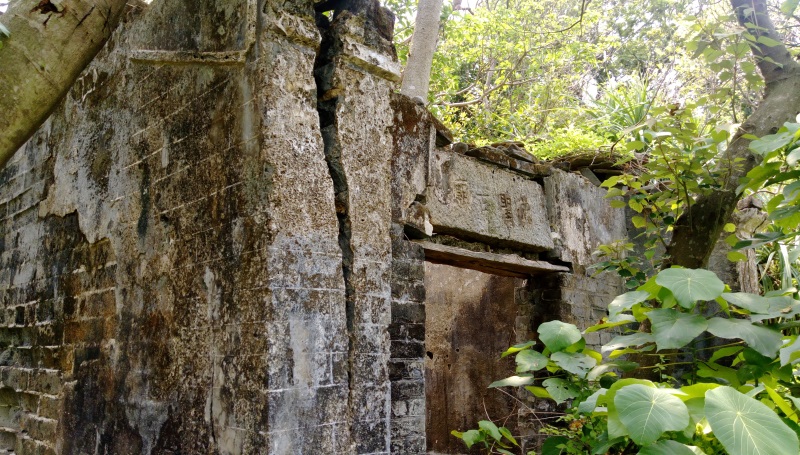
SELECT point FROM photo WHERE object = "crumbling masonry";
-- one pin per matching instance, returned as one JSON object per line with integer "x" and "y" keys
{"x": 222, "y": 240}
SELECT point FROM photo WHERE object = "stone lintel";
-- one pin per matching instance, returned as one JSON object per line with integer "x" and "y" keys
{"x": 477, "y": 201}
{"x": 497, "y": 264}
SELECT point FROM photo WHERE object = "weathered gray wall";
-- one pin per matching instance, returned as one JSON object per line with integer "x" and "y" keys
{"x": 172, "y": 257}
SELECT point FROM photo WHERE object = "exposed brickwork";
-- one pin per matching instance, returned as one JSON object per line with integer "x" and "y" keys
{"x": 579, "y": 299}
{"x": 407, "y": 333}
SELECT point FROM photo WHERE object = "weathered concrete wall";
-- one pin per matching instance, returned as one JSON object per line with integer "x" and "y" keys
{"x": 581, "y": 218}
{"x": 172, "y": 261}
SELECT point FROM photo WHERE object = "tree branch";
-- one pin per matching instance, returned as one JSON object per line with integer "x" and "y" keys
{"x": 699, "y": 228}
{"x": 774, "y": 60}
{"x": 47, "y": 50}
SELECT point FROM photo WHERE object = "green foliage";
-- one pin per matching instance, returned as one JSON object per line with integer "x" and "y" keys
{"x": 773, "y": 183}
{"x": 739, "y": 401}
{"x": 746, "y": 426}
{"x": 494, "y": 438}
{"x": 567, "y": 140}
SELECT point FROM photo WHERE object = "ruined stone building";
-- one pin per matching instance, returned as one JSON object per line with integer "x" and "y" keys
{"x": 234, "y": 237}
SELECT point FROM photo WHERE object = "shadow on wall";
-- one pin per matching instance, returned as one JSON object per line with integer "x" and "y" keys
{"x": 10, "y": 410}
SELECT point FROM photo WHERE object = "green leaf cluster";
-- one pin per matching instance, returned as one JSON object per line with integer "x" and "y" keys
{"x": 739, "y": 401}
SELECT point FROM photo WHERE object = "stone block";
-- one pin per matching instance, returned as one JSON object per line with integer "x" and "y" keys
{"x": 413, "y": 313}
{"x": 512, "y": 162}
{"x": 477, "y": 201}
{"x": 582, "y": 217}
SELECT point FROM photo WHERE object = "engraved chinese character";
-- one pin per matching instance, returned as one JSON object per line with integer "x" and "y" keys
{"x": 508, "y": 210}
{"x": 460, "y": 192}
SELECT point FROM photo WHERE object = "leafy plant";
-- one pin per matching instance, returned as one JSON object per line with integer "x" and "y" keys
{"x": 739, "y": 400}
{"x": 494, "y": 438}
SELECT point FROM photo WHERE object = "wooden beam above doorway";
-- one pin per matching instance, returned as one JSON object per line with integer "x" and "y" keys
{"x": 497, "y": 264}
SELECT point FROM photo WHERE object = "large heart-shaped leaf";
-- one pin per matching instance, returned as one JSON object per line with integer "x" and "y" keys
{"x": 751, "y": 302}
{"x": 625, "y": 341}
{"x": 669, "y": 448}
{"x": 530, "y": 360}
{"x": 746, "y": 426}
{"x": 615, "y": 427}
{"x": 574, "y": 362}
{"x": 513, "y": 381}
{"x": 783, "y": 306}
{"x": 673, "y": 329}
{"x": 765, "y": 341}
{"x": 625, "y": 302}
{"x": 690, "y": 285}
{"x": 560, "y": 389}
{"x": 557, "y": 335}
{"x": 647, "y": 412}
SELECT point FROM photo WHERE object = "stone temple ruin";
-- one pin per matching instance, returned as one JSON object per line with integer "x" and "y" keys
{"x": 234, "y": 237}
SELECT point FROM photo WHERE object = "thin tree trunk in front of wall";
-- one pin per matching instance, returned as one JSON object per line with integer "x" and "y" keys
{"x": 417, "y": 74}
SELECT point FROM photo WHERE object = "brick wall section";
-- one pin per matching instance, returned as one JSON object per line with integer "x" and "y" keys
{"x": 413, "y": 136}
{"x": 31, "y": 332}
{"x": 407, "y": 332}
{"x": 578, "y": 299}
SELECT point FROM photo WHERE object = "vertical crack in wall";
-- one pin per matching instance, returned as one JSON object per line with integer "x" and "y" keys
{"x": 327, "y": 98}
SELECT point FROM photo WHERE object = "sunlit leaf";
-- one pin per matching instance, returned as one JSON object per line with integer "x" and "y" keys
{"x": 788, "y": 6}
{"x": 557, "y": 335}
{"x": 625, "y": 302}
{"x": 625, "y": 341}
{"x": 691, "y": 285}
{"x": 746, "y": 426}
{"x": 517, "y": 348}
{"x": 647, "y": 412}
{"x": 512, "y": 381}
{"x": 590, "y": 403}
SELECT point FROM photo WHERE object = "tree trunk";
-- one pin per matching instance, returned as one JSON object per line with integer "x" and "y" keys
{"x": 697, "y": 230}
{"x": 48, "y": 47}
{"x": 417, "y": 75}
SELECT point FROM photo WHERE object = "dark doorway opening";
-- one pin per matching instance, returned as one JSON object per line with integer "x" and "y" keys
{"x": 471, "y": 317}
